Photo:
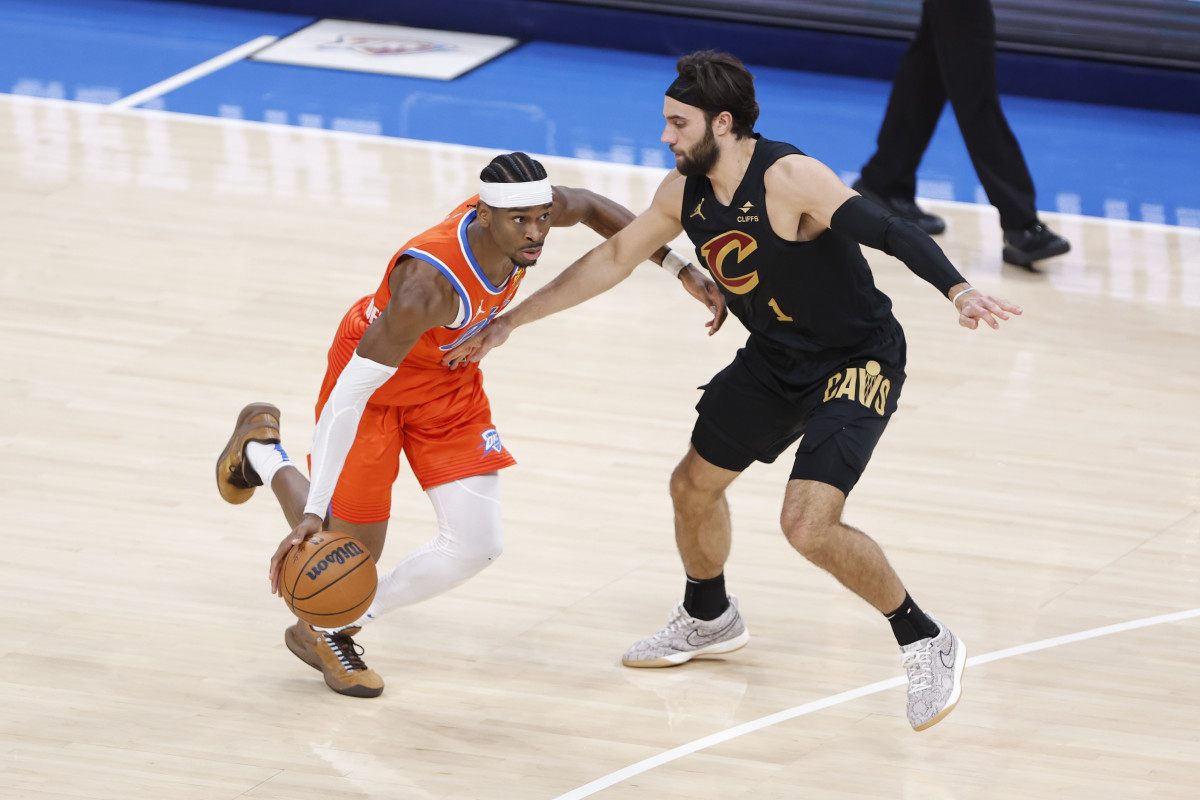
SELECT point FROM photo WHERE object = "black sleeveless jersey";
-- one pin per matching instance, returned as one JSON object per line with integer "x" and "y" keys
{"x": 808, "y": 296}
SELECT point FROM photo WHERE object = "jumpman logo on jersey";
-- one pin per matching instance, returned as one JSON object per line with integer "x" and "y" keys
{"x": 473, "y": 330}
{"x": 698, "y": 212}
{"x": 480, "y": 309}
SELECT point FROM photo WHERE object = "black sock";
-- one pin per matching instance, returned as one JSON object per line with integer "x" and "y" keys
{"x": 910, "y": 624}
{"x": 705, "y": 599}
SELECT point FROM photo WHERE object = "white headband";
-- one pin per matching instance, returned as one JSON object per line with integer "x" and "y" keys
{"x": 516, "y": 195}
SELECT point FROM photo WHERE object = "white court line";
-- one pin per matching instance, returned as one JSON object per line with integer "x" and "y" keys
{"x": 199, "y": 71}
{"x": 299, "y": 130}
{"x": 844, "y": 697}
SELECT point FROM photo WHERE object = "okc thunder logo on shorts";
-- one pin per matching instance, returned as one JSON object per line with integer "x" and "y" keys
{"x": 491, "y": 442}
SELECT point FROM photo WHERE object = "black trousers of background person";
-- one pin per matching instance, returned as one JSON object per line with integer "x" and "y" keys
{"x": 953, "y": 56}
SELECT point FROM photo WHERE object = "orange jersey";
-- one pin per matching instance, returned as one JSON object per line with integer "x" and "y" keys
{"x": 422, "y": 376}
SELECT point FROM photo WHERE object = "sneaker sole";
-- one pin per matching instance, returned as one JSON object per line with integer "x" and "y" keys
{"x": 231, "y": 493}
{"x": 960, "y": 663}
{"x": 300, "y": 652}
{"x": 355, "y": 691}
{"x": 1019, "y": 258}
{"x": 675, "y": 659}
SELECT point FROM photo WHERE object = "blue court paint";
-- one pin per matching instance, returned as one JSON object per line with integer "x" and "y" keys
{"x": 588, "y": 103}
{"x": 99, "y": 50}
{"x": 582, "y": 102}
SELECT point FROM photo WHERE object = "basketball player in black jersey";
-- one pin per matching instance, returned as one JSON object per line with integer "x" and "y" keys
{"x": 824, "y": 362}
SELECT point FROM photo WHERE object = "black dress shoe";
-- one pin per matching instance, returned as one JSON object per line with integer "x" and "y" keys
{"x": 904, "y": 207}
{"x": 1023, "y": 246}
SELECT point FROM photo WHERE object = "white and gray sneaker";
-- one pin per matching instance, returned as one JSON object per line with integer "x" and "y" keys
{"x": 935, "y": 668}
{"x": 686, "y": 637}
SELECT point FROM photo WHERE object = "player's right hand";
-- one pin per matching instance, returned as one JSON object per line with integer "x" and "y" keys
{"x": 309, "y": 526}
{"x": 473, "y": 350}
{"x": 977, "y": 307}
{"x": 700, "y": 287}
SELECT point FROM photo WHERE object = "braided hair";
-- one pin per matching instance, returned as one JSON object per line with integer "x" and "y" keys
{"x": 512, "y": 168}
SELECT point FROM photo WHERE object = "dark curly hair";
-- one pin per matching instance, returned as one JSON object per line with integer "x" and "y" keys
{"x": 721, "y": 83}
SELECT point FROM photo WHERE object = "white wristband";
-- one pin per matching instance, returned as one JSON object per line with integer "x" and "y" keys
{"x": 960, "y": 294}
{"x": 674, "y": 263}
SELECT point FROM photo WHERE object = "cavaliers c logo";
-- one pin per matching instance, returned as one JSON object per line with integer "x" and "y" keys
{"x": 716, "y": 252}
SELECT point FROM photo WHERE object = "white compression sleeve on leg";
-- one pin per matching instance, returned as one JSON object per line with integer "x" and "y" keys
{"x": 338, "y": 425}
{"x": 470, "y": 536}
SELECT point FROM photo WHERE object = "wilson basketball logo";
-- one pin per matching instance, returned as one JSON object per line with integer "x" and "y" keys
{"x": 339, "y": 555}
{"x": 865, "y": 384}
{"x": 328, "y": 580}
{"x": 717, "y": 253}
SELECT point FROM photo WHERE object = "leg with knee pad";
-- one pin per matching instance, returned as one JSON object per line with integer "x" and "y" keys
{"x": 470, "y": 536}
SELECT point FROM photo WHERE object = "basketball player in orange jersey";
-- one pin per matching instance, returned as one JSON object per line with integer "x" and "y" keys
{"x": 824, "y": 361}
{"x": 387, "y": 391}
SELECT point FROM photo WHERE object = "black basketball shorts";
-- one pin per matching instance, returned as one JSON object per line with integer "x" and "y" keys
{"x": 836, "y": 402}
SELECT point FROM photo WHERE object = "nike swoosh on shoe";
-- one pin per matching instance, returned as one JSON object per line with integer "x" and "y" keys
{"x": 946, "y": 654}
{"x": 703, "y": 639}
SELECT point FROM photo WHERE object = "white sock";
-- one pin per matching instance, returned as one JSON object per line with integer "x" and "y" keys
{"x": 470, "y": 537}
{"x": 267, "y": 459}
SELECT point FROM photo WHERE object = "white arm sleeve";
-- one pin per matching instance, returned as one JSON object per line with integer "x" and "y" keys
{"x": 338, "y": 425}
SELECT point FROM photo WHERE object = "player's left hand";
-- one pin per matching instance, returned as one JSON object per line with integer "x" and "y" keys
{"x": 461, "y": 355}
{"x": 474, "y": 349}
{"x": 974, "y": 307}
{"x": 704, "y": 290}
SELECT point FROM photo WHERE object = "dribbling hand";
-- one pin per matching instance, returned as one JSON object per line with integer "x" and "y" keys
{"x": 309, "y": 526}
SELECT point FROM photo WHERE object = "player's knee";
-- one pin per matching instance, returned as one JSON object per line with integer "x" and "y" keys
{"x": 468, "y": 512}
{"x": 686, "y": 484}
{"x": 478, "y": 548}
{"x": 490, "y": 548}
{"x": 680, "y": 484}
{"x": 810, "y": 536}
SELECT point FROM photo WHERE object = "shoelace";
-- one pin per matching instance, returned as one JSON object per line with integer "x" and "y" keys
{"x": 917, "y": 663}
{"x": 347, "y": 650}
{"x": 674, "y": 623}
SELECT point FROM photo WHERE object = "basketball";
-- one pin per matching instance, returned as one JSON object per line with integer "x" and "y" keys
{"x": 329, "y": 580}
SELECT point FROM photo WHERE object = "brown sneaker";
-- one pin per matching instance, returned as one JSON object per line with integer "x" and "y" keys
{"x": 236, "y": 479}
{"x": 338, "y": 658}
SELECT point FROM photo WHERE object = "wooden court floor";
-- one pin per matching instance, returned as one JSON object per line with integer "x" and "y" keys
{"x": 157, "y": 272}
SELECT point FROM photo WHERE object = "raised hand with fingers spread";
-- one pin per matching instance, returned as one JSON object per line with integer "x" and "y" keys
{"x": 974, "y": 306}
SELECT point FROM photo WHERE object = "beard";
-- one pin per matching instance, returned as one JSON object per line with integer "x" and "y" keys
{"x": 523, "y": 259}
{"x": 701, "y": 159}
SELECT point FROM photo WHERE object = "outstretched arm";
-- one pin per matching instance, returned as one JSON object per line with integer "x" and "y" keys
{"x": 818, "y": 192}
{"x": 607, "y": 217}
{"x": 599, "y": 270}
{"x": 610, "y": 262}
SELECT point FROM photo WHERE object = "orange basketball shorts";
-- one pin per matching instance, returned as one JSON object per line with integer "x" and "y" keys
{"x": 445, "y": 439}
